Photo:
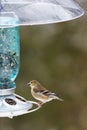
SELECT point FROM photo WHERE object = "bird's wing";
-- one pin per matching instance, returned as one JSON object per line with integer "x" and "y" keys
{"x": 43, "y": 91}
{"x": 47, "y": 93}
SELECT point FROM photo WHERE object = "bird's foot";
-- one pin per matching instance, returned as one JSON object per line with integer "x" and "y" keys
{"x": 40, "y": 104}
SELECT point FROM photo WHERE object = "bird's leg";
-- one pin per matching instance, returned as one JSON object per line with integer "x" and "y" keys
{"x": 40, "y": 104}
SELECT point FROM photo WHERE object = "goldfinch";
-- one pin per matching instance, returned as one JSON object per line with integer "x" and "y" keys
{"x": 40, "y": 93}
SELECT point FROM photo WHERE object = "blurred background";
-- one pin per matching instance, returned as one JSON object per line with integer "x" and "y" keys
{"x": 56, "y": 56}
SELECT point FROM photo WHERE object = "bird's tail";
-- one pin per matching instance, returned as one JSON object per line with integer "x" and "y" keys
{"x": 58, "y": 98}
{"x": 55, "y": 96}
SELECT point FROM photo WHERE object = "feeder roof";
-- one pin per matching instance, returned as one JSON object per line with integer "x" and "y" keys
{"x": 34, "y": 12}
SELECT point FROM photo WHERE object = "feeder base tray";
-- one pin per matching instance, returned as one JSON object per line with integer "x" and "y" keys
{"x": 15, "y": 105}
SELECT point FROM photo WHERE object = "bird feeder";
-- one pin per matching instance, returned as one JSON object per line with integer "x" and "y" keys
{"x": 15, "y": 13}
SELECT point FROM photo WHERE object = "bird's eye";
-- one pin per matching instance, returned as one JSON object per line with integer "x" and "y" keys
{"x": 31, "y": 82}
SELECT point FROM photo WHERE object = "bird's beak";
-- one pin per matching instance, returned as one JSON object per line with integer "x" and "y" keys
{"x": 28, "y": 84}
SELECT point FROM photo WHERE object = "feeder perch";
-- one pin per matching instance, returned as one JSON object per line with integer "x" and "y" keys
{"x": 15, "y": 13}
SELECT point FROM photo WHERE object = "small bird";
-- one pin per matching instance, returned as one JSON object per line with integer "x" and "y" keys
{"x": 40, "y": 93}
